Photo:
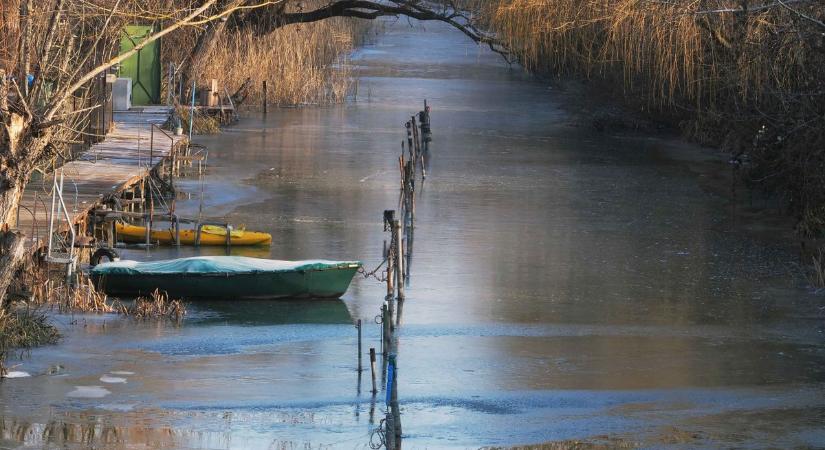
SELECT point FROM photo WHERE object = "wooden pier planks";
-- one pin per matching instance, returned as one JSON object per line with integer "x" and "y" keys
{"x": 121, "y": 160}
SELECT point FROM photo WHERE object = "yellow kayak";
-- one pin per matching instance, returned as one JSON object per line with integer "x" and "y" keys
{"x": 210, "y": 235}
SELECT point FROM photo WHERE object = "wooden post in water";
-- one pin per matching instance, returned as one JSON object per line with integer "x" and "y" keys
{"x": 151, "y": 204}
{"x": 399, "y": 259}
{"x": 410, "y": 144}
{"x": 264, "y": 100}
{"x": 359, "y": 345}
{"x": 372, "y": 369}
{"x": 389, "y": 433}
{"x": 396, "y": 411}
{"x": 385, "y": 322}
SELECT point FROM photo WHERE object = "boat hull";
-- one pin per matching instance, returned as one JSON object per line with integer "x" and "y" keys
{"x": 321, "y": 284}
{"x": 136, "y": 235}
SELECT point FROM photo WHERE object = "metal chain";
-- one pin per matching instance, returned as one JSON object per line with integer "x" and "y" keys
{"x": 373, "y": 273}
{"x": 382, "y": 278}
{"x": 379, "y": 432}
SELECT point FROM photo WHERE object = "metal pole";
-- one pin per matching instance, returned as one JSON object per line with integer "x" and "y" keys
{"x": 372, "y": 369}
{"x": 399, "y": 256}
{"x": 265, "y": 99}
{"x": 359, "y": 345}
{"x": 192, "y": 111}
{"x": 51, "y": 215}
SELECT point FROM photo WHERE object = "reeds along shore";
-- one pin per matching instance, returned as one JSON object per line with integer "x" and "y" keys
{"x": 746, "y": 80}
{"x": 302, "y": 64}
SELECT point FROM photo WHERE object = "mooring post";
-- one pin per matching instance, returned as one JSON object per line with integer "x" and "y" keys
{"x": 177, "y": 231}
{"x": 359, "y": 345}
{"x": 151, "y": 205}
{"x": 171, "y": 158}
{"x": 146, "y": 227}
{"x": 410, "y": 144}
{"x": 399, "y": 259}
{"x": 264, "y": 100}
{"x": 372, "y": 370}
{"x": 390, "y": 272}
{"x": 389, "y": 433}
{"x": 385, "y": 321}
{"x": 416, "y": 147}
{"x": 111, "y": 235}
{"x": 396, "y": 412}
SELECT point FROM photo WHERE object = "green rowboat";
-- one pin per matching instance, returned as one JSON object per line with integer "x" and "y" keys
{"x": 226, "y": 277}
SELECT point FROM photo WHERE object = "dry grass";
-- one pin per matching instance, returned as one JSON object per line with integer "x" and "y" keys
{"x": 51, "y": 290}
{"x": 204, "y": 124}
{"x": 158, "y": 305}
{"x": 748, "y": 82}
{"x": 24, "y": 325}
{"x": 24, "y": 328}
{"x": 302, "y": 64}
{"x": 671, "y": 50}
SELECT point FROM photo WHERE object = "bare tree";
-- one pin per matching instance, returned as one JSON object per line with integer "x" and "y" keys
{"x": 61, "y": 47}
{"x": 278, "y": 14}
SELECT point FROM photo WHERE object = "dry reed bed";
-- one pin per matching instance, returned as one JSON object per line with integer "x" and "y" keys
{"x": 749, "y": 82}
{"x": 302, "y": 64}
{"x": 25, "y": 324}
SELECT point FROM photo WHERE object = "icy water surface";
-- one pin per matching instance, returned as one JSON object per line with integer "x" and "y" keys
{"x": 565, "y": 285}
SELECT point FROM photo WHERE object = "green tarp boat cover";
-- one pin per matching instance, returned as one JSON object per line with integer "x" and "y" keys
{"x": 228, "y": 265}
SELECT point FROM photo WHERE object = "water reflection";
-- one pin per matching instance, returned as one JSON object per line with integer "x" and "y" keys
{"x": 100, "y": 430}
{"x": 254, "y": 312}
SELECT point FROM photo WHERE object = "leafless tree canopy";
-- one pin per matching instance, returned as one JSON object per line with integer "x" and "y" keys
{"x": 52, "y": 52}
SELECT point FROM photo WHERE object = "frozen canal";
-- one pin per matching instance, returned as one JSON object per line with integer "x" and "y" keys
{"x": 565, "y": 284}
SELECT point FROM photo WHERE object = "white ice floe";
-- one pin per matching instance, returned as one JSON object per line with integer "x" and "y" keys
{"x": 17, "y": 374}
{"x": 112, "y": 380}
{"x": 89, "y": 392}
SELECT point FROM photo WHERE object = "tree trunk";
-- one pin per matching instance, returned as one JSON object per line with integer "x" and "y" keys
{"x": 207, "y": 41}
{"x": 9, "y": 201}
{"x": 21, "y": 147}
{"x": 12, "y": 253}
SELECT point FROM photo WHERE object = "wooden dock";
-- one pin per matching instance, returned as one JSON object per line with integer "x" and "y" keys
{"x": 122, "y": 159}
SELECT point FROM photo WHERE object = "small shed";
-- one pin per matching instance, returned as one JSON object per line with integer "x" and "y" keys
{"x": 144, "y": 67}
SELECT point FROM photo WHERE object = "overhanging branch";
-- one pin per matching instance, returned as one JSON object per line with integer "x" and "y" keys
{"x": 366, "y": 9}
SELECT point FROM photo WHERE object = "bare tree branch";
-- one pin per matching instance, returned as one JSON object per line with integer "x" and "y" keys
{"x": 365, "y": 9}
{"x": 800, "y": 13}
{"x": 752, "y": 9}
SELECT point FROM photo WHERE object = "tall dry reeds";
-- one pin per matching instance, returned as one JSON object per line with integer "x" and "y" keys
{"x": 673, "y": 51}
{"x": 748, "y": 80}
{"x": 302, "y": 64}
